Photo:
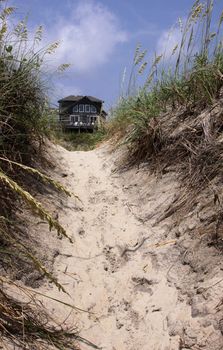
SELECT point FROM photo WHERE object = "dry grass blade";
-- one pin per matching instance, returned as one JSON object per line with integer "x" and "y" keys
{"x": 34, "y": 205}
{"x": 17, "y": 249}
{"x": 29, "y": 324}
{"x": 44, "y": 177}
{"x": 31, "y": 292}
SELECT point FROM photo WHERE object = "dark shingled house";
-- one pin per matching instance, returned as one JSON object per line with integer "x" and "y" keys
{"x": 81, "y": 113}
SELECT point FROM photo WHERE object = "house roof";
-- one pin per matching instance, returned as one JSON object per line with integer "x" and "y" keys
{"x": 73, "y": 98}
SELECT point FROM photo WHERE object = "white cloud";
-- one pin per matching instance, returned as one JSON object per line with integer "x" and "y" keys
{"x": 168, "y": 41}
{"x": 88, "y": 36}
{"x": 171, "y": 38}
{"x": 62, "y": 89}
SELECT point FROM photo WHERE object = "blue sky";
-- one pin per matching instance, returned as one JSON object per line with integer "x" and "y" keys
{"x": 98, "y": 38}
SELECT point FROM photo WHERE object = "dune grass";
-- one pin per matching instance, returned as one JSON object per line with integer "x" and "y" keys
{"x": 150, "y": 122}
{"x": 190, "y": 77}
{"x": 23, "y": 128}
{"x": 174, "y": 121}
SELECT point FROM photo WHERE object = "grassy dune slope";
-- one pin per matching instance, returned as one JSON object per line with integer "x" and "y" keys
{"x": 23, "y": 128}
{"x": 174, "y": 121}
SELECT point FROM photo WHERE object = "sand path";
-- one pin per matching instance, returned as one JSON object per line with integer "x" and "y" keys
{"x": 129, "y": 297}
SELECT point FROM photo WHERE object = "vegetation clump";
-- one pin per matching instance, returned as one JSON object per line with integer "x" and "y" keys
{"x": 174, "y": 121}
{"x": 189, "y": 78}
{"x": 83, "y": 141}
{"x": 23, "y": 128}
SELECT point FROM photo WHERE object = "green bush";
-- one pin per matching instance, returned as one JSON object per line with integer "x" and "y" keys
{"x": 83, "y": 141}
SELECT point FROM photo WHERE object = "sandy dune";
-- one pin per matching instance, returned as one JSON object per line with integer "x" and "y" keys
{"x": 122, "y": 267}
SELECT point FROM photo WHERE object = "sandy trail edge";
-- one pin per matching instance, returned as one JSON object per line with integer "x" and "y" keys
{"x": 134, "y": 303}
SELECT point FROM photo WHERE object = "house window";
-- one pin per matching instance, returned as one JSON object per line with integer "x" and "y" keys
{"x": 87, "y": 108}
{"x": 81, "y": 108}
{"x": 93, "y": 109}
{"x": 74, "y": 119}
{"x": 75, "y": 109}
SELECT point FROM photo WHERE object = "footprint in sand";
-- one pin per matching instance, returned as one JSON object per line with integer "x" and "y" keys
{"x": 93, "y": 180}
{"x": 113, "y": 261}
{"x": 142, "y": 284}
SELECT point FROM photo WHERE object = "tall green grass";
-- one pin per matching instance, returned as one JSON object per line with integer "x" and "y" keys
{"x": 23, "y": 99}
{"x": 174, "y": 121}
{"x": 23, "y": 127}
{"x": 192, "y": 75}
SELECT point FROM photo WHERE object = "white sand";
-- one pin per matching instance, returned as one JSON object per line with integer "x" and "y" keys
{"x": 131, "y": 300}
